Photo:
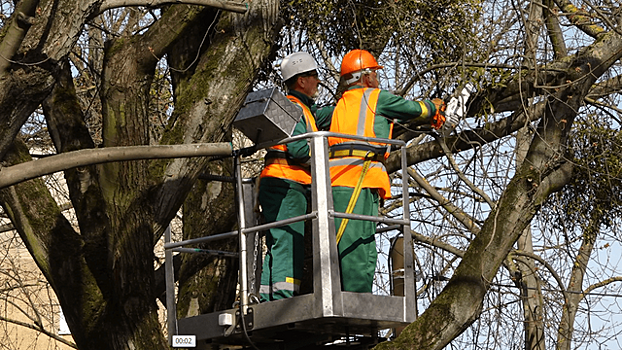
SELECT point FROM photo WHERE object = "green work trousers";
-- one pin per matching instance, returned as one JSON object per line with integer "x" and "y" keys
{"x": 282, "y": 268}
{"x": 357, "y": 247}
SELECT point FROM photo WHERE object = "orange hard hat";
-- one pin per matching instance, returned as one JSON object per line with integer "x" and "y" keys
{"x": 357, "y": 60}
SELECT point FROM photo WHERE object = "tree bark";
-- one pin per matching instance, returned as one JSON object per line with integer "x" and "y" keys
{"x": 531, "y": 294}
{"x": 527, "y": 278}
{"x": 238, "y": 47}
{"x": 56, "y": 248}
{"x": 575, "y": 286}
{"x": 209, "y": 209}
{"x": 29, "y": 78}
{"x": 108, "y": 267}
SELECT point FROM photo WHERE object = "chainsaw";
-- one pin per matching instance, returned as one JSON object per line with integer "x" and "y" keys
{"x": 456, "y": 109}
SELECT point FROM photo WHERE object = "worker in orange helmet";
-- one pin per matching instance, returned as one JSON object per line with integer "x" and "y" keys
{"x": 285, "y": 185}
{"x": 366, "y": 110}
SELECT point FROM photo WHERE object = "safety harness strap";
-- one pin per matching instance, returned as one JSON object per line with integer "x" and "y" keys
{"x": 351, "y": 149}
{"x": 355, "y": 195}
{"x": 356, "y": 153}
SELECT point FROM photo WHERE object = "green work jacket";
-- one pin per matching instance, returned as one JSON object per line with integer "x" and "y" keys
{"x": 299, "y": 150}
{"x": 391, "y": 107}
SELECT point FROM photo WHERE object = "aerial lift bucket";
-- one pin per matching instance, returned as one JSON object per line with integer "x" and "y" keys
{"x": 328, "y": 315}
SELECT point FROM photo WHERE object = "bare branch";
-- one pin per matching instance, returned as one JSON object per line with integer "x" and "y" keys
{"x": 417, "y": 237}
{"x": 40, "y": 329}
{"x": 548, "y": 266}
{"x": 580, "y": 18}
{"x": 466, "y": 220}
{"x": 601, "y": 284}
{"x": 469, "y": 183}
{"x": 25, "y": 171}
{"x": 233, "y": 6}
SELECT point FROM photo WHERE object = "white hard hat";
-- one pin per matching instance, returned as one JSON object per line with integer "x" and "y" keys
{"x": 296, "y": 63}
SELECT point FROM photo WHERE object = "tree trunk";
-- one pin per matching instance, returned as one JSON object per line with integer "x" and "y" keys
{"x": 29, "y": 78}
{"x": 209, "y": 209}
{"x": 239, "y": 45}
{"x": 56, "y": 248}
{"x": 531, "y": 295}
{"x": 574, "y": 289}
{"x": 527, "y": 281}
{"x": 108, "y": 268}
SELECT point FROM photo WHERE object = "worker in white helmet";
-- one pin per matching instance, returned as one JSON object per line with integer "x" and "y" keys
{"x": 284, "y": 188}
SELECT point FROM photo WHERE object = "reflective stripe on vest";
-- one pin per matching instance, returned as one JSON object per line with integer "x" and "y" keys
{"x": 287, "y": 170}
{"x": 291, "y": 284}
{"x": 355, "y": 114}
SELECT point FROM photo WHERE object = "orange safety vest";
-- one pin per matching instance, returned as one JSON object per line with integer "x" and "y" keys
{"x": 282, "y": 167}
{"x": 355, "y": 114}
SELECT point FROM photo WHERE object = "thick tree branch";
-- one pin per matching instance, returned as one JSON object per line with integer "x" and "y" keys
{"x": 49, "y": 40}
{"x": 10, "y": 227}
{"x": 25, "y": 171}
{"x": 606, "y": 87}
{"x": 417, "y": 237}
{"x": 554, "y": 182}
{"x": 20, "y": 22}
{"x": 466, "y": 140}
{"x": 233, "y": 6}
{"x": 205, "y": 112}
{"x": 532, "y": 23}
{"x": 575, "y": 285}
{"x": 54, "y": 245}
{"x": 69, "y": 132}
{"x": 601, "y": 284}
{"x": 554, "y": 30}
{"x": 580, "y": 18}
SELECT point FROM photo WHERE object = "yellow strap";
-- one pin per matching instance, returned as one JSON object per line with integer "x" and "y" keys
{"x": 357, "y": 153}
{"x": 349, "y": 153}
{"x": 355, "y": 196}
{"x": 357, "y": 189}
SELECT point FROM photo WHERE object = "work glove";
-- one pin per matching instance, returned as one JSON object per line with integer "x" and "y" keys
{"x": 438, "y": 119}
